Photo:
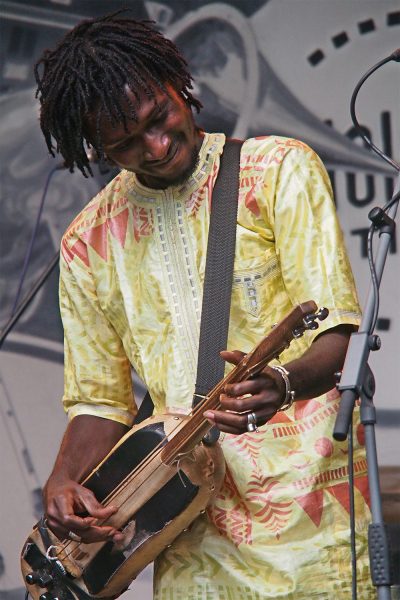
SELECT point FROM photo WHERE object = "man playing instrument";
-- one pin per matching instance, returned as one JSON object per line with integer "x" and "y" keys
{"x": 132, "y": 270}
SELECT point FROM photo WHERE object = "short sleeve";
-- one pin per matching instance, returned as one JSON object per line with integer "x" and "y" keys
{"x": 309, "y": 242}
{"x": 97, "y": 373}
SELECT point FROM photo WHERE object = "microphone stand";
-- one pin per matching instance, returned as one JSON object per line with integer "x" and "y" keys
{"x": 357, "y": 380}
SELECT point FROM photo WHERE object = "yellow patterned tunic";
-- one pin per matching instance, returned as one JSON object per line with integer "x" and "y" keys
{"x": 132, "y": 271}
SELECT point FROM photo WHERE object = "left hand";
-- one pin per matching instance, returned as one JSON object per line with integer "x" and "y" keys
{"x": 263, "y": 395}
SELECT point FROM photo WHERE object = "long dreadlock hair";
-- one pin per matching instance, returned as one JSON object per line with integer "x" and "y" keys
{"x": 88, "y": 71}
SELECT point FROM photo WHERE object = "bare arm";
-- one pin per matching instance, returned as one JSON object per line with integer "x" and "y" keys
{"x": 310, "y": 375}
{"x": 86, "y": 442}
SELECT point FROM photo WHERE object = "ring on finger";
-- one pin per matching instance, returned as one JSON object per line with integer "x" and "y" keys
{"x": 74, "y": 537}
{"x": 251, "y": 422}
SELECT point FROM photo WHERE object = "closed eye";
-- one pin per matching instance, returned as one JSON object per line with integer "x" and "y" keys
{"x": 159, "y": 118}
{"x": 123, "y": 146}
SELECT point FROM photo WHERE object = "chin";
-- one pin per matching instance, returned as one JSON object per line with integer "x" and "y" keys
{"x": 186, "y": 172}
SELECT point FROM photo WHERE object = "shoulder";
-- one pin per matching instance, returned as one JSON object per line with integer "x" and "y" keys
{"x": 270, "y": 150}
{"x": 273, "y": 169}
{"x": 93, "y": 219}
{"x": 271, "y": 160}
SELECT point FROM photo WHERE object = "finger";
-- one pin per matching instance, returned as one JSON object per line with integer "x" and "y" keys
{"x": 223, "y": 420}
{"x": 231, "y": 422}
{"x": 80, "y": 525}
{"x": 97, "y": 534}
{"x": 59, "y": 513}
{"x": 246, "y": 403}
{"x": 234, "y": 357}
{"x": 63, "y": 512}
{"x": 58, "y": 530}
{"x": 250, "y": 386}
{"x": 95, "y": 508}
{"x": 210, "y": 415}
{"x": 66, "y": 523}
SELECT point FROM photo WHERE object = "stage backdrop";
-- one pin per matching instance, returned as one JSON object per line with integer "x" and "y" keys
{"x": 261, "y": 67}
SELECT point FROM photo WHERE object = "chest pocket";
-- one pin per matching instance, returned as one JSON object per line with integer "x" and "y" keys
{"x": 253, "y": 282}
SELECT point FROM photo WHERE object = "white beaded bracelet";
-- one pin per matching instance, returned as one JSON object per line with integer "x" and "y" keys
{"x": 290, "y": 394}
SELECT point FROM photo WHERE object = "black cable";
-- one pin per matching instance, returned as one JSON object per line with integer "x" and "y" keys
{"x": 375, "y": 286}
{"x": 394, "y": 56}
{"x": 28, "y": 298}
{"x": 392, "y": 201}
{"x": 374, "y": 279}
{"x": 29, "y": 251}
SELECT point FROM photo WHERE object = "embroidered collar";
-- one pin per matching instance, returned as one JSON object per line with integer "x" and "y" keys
{"x": 211, "y": 147}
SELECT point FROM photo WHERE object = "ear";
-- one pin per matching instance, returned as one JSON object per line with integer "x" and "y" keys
{"x": 109, "y": 161}
{"x": 95, "y": 158}
{"x": 92, "y": 154}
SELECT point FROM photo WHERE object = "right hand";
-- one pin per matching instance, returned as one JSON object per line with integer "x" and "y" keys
{"x": 65, "y": 500}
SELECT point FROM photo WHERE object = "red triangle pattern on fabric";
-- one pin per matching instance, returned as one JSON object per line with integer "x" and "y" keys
{"x": 96, "y": 237}
{"x": 251, "y": 202}
{"x": 305, "y": 408}
{"x": 66, "y": 252}
{"x": 313, "y": 504}
{"x": 280, "y": 417}
{"x": 118, "y": 226}
{"x": 79, "y": 249}
{"x": 361, "y": 483}
{"x": 340, "y": 491}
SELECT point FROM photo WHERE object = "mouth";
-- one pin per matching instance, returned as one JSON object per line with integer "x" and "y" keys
{"x": 174, "y": 169}
{"x": 160, "y": 164}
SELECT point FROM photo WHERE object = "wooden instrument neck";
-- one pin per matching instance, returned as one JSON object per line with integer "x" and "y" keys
{"x": 252, "y": 363}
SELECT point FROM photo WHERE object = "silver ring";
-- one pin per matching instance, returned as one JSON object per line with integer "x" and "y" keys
{"x": 74, "y": 537}
{"x": 251, "y": 422}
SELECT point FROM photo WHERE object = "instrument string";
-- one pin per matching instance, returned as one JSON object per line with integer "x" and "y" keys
{"x": 211, "y": 401}
{"x": 189, "y": 431}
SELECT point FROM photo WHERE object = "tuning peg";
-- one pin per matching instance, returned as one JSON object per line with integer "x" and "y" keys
{"x": 322, "y": 314}
{"x": 42, "y": 579}
{"x": 310, "y": 321}
{"x": 337, "y": 376}
{"x": 298, "y": 332}
{"x": 32, "y": 578}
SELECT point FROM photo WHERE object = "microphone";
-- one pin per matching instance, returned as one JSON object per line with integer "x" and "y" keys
{"x": 395, "y": 55}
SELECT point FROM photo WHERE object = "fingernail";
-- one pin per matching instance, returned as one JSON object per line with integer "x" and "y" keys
{"x": 209, "y": 415}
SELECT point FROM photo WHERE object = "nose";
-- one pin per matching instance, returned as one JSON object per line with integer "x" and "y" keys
{"x": 156, "y": 146}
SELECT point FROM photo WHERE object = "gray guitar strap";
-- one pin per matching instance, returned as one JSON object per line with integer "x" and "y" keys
{"x": 217, "y": 282}
{"x": 218, "y": 278}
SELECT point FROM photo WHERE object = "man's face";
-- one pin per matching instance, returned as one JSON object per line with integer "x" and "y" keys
{"x": 161, "y": 147}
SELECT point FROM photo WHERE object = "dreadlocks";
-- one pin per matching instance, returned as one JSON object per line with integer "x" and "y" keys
{"x": 89, "y": 69}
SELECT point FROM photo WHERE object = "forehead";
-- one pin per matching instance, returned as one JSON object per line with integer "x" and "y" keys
{"x": 141, "y": 101}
